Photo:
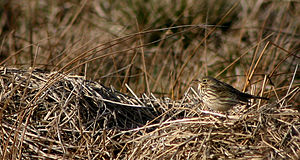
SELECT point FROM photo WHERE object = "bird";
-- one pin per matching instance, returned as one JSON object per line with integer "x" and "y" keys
{"x": 220, "y": 96}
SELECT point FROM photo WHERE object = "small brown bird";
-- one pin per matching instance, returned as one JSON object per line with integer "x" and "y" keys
{"x": 221, "y": 96}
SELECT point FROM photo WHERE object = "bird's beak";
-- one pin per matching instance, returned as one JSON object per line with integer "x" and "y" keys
{"x": 195, "y": 81}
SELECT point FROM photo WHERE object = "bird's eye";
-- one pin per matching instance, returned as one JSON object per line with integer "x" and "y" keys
{"x": 204, "y": 80}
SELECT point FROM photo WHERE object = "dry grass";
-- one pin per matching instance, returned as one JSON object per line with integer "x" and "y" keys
{"x": 150, "y": 51}
{"x": 53, "y": 115}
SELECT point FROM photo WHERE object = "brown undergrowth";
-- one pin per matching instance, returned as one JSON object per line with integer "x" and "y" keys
{"x": 84, "y": 79}
{"x": 55, "y": 115}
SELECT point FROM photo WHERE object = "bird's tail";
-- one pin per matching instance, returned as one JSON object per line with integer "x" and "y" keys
{"x": 250, "y": 96}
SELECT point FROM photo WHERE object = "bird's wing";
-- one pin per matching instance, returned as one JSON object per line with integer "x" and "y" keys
{"x": 226, "y": 90}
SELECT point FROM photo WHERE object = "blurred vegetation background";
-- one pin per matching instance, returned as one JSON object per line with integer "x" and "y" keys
{"x": 156, "y": 46}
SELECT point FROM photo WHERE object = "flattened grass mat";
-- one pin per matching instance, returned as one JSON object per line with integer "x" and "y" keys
{"x": 58, "y": 116}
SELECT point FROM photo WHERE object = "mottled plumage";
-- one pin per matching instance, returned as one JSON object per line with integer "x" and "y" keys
{"x": 221, "y": 96}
